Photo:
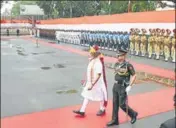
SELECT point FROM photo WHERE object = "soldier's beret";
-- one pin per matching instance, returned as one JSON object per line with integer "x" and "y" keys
{"x": 158, "y": 30}
{"x": 163, "y": 30}
{"x": 137, "y": 30}
{"x": 154, "y": 30}
{"x": 168, "y": 31}
{"x": 150, "y": 30}
{"x": 174, "y": 31}
{"x": 132, "y": 29}
{"x": 144, "y": 30}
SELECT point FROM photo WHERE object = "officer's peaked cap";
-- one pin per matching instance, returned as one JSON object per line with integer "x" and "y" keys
{"x": 122, "y": 51}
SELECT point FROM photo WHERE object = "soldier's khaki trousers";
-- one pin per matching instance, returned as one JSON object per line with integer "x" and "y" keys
{"x": 173, "y": 53}
{"x": 157, "y": 51}
{"x": 132, "y": 47}
{"x": 166, "y": 52}
{"x": 143, "y": 48}
{"x": 150, "y": 49}
{"x": 137, "y": 48}
{"x": 161, "y": 49}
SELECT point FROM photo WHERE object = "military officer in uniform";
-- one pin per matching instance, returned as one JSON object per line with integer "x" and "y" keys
{"x": 150, "y": 43}
{"x": 123, "y": 70}
{"x": 173, "y": 46}
{"x": 132, "y": 41}
{"x": 137, "y": 41}
{"x": 167, "y": 45}
{"x": 143, "y": 42}
{"x": 157, "y": 43}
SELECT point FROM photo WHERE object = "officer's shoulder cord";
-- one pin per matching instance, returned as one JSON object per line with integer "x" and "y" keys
{"x": 125, "y": 73}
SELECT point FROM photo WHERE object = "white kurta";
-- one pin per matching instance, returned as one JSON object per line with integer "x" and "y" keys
{"x": 98, "y": 92}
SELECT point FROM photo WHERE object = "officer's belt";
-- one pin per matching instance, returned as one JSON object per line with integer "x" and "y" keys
{"x": 120, "y": 82}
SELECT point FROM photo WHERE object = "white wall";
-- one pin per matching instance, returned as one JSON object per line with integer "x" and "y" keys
{"x": 110, "y": 27}
{"x": 15, "y": 25}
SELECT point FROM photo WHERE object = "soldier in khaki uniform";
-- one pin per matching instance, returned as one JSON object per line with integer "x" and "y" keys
{"x": 154, "y": 40}
{"x": 157, "y": 43}
{"x": 132, "y": 40}
{"x": 162, "y": 42}
{"x": 137, "y": 41}
{"x": 173, "y": 46}
{"x": 143, "y": 42}
{"x": 167, "y": 45}
{"x": 150, "y": 44}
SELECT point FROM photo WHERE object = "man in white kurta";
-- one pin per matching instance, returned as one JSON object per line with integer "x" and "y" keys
{"x": 95, "y": 88}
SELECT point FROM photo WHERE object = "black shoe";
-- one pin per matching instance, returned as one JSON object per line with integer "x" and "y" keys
{"x": 112, "y": 122}
{"x": 100, "y": 113}
{"x": 79, "y": 113}
{"x": 134, "y": 118}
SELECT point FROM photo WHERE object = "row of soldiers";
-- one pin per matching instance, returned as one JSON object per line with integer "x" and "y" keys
{"x": 46, "y": 33}
{"x": 73, "y": 37}
{"x": 159, "y": 43}
{"x": 104, "y": 39}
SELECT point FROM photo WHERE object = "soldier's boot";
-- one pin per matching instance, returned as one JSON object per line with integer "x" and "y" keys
{"x": 157, "y": 57}
{"x": 150, "y": 55}
{"x": 137, "y": 53}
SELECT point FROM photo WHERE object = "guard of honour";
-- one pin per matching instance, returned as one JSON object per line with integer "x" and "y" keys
{"x": 156, "y": 43}
{"x": 95, "y": 85}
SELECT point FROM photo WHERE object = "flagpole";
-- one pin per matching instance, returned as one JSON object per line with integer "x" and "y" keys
{"x": 129, "y": 6}
{"x": 109, "y": 3}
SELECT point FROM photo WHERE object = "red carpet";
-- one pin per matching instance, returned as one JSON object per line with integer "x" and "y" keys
{"x": 140, "y": 67}
{"x": 146, "y": 104}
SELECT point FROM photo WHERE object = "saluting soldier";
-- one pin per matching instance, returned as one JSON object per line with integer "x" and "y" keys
{"x": 143, "y": 42}
{"x": 150, "y": 43}
{"x": 173, "y": 46}
{"x": 137, "y": 41}
{"x": 132, "y": 41}
{"x": 167, "y": 45}
{"x": 123, "y": 84}
{"x": 157, "y": 43}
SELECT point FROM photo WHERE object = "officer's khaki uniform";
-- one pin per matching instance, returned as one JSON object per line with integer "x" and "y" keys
{"x": 173, "y": 47}
{"x": 157, "y": 44}
{"x": 137, "y": 41}
{"x": 143, "y": 42}
{"x": 150, "y": 44}
{"x": 167, "y": 45}
{"x": 162, "y": 42}
{"x": 132, "y": 41}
